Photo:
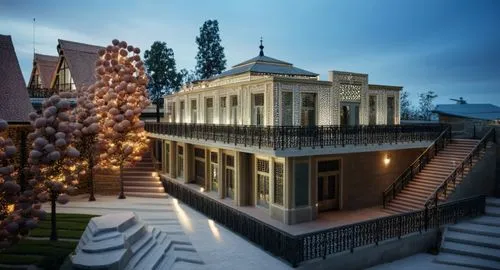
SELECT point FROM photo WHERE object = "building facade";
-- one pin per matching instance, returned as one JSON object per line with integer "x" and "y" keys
{"x": 272, "y": 136}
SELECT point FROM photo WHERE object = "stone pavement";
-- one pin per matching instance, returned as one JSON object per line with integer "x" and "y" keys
{"x": 218, "y": 247}
{"x": 421, "y": 261}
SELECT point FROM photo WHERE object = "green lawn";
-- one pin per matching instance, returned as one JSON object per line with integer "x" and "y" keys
{"x": 44, "y": 253}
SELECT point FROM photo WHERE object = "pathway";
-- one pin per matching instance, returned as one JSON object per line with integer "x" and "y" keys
{"x": 218, "y": 247}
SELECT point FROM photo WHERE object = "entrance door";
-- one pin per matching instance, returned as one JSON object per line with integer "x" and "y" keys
{"x": 328, "y": 191}
{"x": 199, "y": 168}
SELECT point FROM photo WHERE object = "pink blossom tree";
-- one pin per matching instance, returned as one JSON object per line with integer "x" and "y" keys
{"x": 18, "y": 215}
{"x": 87, "y": 128}
{"x": 52, "y": 156}
{"x": 120, "y": 97}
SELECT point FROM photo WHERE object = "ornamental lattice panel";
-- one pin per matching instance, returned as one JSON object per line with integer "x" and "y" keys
{"x": 350, "y": 92}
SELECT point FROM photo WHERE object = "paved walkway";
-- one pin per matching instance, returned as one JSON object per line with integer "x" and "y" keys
{"x": 218, "y": 247}
{"x": 420, "y": 261}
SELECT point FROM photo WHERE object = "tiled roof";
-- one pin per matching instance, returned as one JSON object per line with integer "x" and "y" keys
{"x": 265, "y": 65}
{"x": 15, "y": 101}
{"x": 47, "y": 65}
{"x": 473, "y": 111}
{"x": 81, "y": 60}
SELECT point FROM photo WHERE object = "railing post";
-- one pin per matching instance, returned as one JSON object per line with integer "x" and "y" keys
{"x": 426, "y": 217}
{"x": 400, "y": 218}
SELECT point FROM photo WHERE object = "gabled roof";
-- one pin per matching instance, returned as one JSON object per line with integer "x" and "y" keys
{"x": 472, "y": 111}
{"x": 15, "y": 100}
{"x": 81, "y": 59}
{"x": 46, "y": 65}
{"x": 262, "y": 64}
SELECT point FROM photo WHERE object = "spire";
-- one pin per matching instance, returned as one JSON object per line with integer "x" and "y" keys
{"x": 261, "y": 53}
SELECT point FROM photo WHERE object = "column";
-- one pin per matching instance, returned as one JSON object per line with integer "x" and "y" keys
{"x": 220, "y": 174}
{"x": 188, "y": 163}
{"x": 173, "y": 159}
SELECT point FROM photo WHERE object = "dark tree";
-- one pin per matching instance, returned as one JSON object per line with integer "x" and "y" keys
{"x": 425, "y": 104}
{"x": 210, "y": 59}
{"x": 406, "y": 111}
{"x": 162, "y": 73}
{"x": 188, "y": 76}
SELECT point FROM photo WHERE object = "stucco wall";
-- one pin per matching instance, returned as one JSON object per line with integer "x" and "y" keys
{"x": 480, "y": 180}
{"x": 365, "y": 176}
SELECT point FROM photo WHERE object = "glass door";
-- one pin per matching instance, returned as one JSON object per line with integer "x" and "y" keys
{"x": 328, "y": 198}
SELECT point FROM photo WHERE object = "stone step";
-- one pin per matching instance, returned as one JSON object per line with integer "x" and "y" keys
{"x": 395, "y": 206}
{"x": 493, "y": 201}
{"x": 486, "y": 220}
{"x": 137, "y": 173}
{"x": 423, "y": 184}
{"x": 135, "y": 169}
{"x": 141, "y": 253}
{"x": 154, "y": 257}
{"x": 416, "y": 187}
{"x": 433, "y": 167}
{"x": 472, "y": 239}
{"x": 144, "y": 189}
{"x": 414, "y": 193}
{"x": 436, "y": 182}
{"x": 418, "y": 203}
{"x": 492, "y": 211}
{"x": 433, "y": 173}
{"x": 471, "y": 250}
{"x": 466, "y": 261}
{"x": 142, "y": 183}
{"x": 407, "y": 204}
{"x": 411, "y": 197}
{"x": 146, "y": 194}
{"x": 472, "y": 228}
{"x": 135, "y": 232}
{"x": 142, "y": 178}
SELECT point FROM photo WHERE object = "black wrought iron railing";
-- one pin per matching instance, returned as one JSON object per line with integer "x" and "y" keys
{"x": 284, "y": 137}
{"x": 475, "y": 153}
{"x": 41, "y": 92}
{"x": 295, "y": 249}
{"x": 404, "y": 179}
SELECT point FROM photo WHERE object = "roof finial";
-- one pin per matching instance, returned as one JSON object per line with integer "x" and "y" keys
{"x": 261, "y": 53}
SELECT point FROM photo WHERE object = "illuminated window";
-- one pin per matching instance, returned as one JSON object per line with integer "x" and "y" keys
{"x": 258, "y": 110}
{"x": 194, "y": 111}
{"x": 278, "y": 183}
{"x": 64, "y": 81}
{"x": 287, "y": 108}
{"x": 223, "y": 111}
{"x": 209, "y": 111}
{"x": 263, "y": 183}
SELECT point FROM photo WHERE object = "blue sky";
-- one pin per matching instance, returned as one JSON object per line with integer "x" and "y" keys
{"x": 449, "y": 46}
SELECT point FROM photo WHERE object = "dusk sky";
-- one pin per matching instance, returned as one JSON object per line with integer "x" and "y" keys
{"x": 451, "y": 47}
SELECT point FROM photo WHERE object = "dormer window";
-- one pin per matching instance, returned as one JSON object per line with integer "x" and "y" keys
{"x": 63, "y": 80}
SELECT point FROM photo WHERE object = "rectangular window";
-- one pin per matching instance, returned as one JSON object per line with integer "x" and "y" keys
{"x": 258, "y": 109}
{"x": 222, "y": 111}
{"x": 209, "y": 111}
{"x": 390, "y": 110}
{"x": 349, "y": 113}
{"x": 64, "y": 81}
{"x": 194, "y": 111}
{"x": 263, "y": 183}
{"x": 301, "y": 187}
{"x": 229, "y": 176}
{"x": 233, "y": 117}
{"x": 214, "y": 171}
{"x": 373, "y": 110}
{"x": 287, "y": 108}
{"x": 180, "y": 161}
{"x": 278, "y": 183}
{"x": 308, "y": 109}
{"x": 166, "y": 159}
{"x": 182, "y": 112}
{"x": 199, "y": 166}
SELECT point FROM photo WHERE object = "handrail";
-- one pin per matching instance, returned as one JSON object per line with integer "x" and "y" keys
{"x": 298, "y": 137}
{"x": 397, "y": 186}
{"x": 467, "y": 162}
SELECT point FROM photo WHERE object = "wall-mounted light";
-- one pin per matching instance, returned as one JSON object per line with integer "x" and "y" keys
{"x": 202, "y": 189}
{"x": 154, "y": 174}
{"x": 387, "y": 159}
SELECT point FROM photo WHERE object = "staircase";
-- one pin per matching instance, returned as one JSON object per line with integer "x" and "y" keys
{"x": 139, "y": 182}
{"x": 424, "y": 183}
{"x": 474, "y": 243}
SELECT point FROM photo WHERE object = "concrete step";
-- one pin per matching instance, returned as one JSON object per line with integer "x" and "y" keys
{"x": 144, "y": 189}
{"x": 492, "y": 211}
{"x": 423, "y": 184}
{"x": 472, "y": 239}
{"x": 416, "y": 187}
{"x": 137, "y": 173}
{"x": 140, "y": 178}
{"x": 433, "y": 167}
{"x": 436, "y": 182}
{"x": 486, "y": 220}
{"x": 407, "y": 204}
{"x": 433, "y": 173}
{"x": 143, "y": 183}
{"x": 466, "y": 261}
{"x": 146, "y": 194}
{"x": 472, "y": 228}
{"x": 418, "y": 203}
{"x": 471, "y": 250}
{"x": 415, "y": 193}
{"x": 395, "y": 206}
{"x": 493, "y": 201}
{"x": 409, "y": 196}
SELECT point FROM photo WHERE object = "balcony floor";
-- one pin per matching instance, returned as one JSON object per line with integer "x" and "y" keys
{"x": 325, "y": 220}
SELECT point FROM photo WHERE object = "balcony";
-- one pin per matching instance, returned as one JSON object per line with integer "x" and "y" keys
{"x": 41, "y": 92}
{"x": 296, "y": 137}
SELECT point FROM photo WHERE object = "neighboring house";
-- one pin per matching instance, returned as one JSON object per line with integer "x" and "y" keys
{"x": 273, "y": 136}
{"x": 468, "y": 119}
{"x": 15, "y": 105}
{"x": 74, "y": 67}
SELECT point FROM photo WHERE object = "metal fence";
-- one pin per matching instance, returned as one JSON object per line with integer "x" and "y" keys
{"x": 284, "y": 137}
{"x": 299, "y": 248}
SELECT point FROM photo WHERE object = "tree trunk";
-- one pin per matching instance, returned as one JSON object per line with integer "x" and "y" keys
{"x": 122, "y": 194}
{"x": 91, "y": 178}
{"x": 157, "y": 111}
{"x": 53, "y": 231}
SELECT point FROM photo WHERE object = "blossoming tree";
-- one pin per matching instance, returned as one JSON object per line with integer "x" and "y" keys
{"x": 52, "y": 157}
{"x": 120, "y": 97}
{"x": 18, "y": 215}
